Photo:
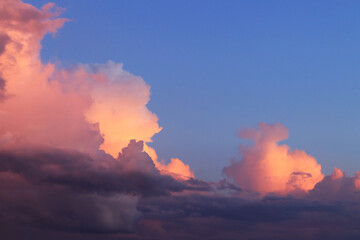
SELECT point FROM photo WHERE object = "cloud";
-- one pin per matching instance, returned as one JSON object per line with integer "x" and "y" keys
{"x": 37, "y": 110}
{"x": 66, "y": 161}
{"x": 337, "y": 187}
{"x": 176, "y": 168}
{"x": 74, "y": 160}
{"x": 268, "y": 167}
{"x": 219, "y": 217}
{"x": 46, "y": 195}
{"x": 84, "y": 108}
{"x": 4, "y": 39}
{"x": 71, "y": 191}
{"x": 16, "y": 15}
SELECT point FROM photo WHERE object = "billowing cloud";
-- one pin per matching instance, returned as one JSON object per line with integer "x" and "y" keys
{"x": 74, "y": 160}
{"x": 268, "y": 167}
{"x": 87, "y": 107}
{"x": 176, "y": 168}
{"x": 65, "y": 158}
{"x": 36, "y": 110}
{"x": 337, "y": 187}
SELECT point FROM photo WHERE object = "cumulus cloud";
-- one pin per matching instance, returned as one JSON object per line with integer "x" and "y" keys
{"x": 175, "y": 168}
{"x": 74, "y": 160}
{"x": 267, "y": 166}
{"x": 87, "y": 107}
{"x": 37, "y": 111}
{"x": 337, "y": 187}
{"x": 66, "y": 161}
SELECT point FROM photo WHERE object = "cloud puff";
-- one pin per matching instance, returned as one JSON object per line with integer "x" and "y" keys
{"x": 337, "y": 187}
{"x": 175, "y": 168}
{"x": 267, "y": 166}
{"x": 86, "y": 108}
{"x": 57, "y": 129}
{"x": 37, "y": 109}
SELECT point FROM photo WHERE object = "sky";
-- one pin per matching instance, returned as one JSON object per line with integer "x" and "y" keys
{"x": 214, "y": 66}
{"x": 179, "y": 120}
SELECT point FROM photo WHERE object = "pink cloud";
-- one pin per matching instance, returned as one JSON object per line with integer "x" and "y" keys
{"x": 267, "y": 166}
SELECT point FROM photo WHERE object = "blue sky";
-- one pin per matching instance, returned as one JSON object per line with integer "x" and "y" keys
{"x": 216, "y": 65}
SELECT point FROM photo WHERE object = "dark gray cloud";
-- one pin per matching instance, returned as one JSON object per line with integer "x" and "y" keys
{"x": 214, "y": 217}
{"x": 61, "y": 194}
{"x": 69, "y": 191}
{"x": 82, "y": 173}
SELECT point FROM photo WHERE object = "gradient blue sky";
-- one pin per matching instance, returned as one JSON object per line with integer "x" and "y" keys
{"x": 216, "y": 65}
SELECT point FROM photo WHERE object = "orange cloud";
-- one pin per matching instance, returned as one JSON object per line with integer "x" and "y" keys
{"x": 268, "y": 167}
{"x": 176, "y": 168}
{"x": 87, "y": 107}
{"x": 337, "y": 174}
